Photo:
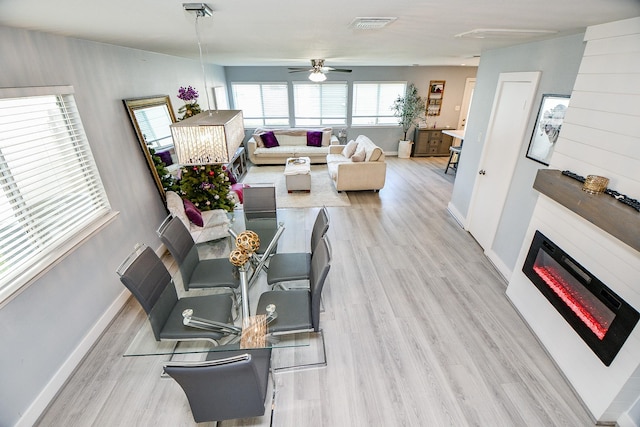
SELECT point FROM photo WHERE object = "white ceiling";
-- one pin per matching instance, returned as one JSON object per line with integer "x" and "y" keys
{"x": 291, "y": 32}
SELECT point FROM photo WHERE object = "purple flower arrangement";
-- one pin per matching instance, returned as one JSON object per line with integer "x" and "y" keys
{"x": 190, "y": 97}
{"x": 187, "y": 94}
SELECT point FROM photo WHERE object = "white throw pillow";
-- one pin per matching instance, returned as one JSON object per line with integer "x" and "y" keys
{"x": 349, "y": 149}
{"x": 360, "y": 154}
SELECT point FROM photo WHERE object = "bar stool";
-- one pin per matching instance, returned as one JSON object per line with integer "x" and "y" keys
{"x": 454, "y": 158}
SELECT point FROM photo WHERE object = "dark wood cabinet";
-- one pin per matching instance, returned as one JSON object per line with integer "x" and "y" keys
{"x": 431, "y": 142}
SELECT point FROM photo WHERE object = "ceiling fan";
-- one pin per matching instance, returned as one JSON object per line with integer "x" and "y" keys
{"x": 318, "y": 70}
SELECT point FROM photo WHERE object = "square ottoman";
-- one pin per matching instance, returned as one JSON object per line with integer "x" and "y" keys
{"x": 297, "y": 172}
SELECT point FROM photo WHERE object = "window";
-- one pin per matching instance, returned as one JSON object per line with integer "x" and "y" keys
{"x": 372, "y": 103}
{"x": 262, "y": 104}
{"x": 50, "y": 187}
{"x": 320, "y": 104}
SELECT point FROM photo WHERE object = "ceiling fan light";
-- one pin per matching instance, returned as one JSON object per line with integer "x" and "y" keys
{"x": 317, "y": 76}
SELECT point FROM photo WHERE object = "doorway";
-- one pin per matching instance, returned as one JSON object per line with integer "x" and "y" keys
{"x": 510, "y": 115}
{"x": 469, "y": 87}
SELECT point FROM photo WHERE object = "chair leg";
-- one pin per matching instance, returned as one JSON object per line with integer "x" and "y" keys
{"x": 305, "y": 366}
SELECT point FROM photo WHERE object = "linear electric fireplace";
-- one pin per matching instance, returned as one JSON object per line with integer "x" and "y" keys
{"x": 599, "y": 316}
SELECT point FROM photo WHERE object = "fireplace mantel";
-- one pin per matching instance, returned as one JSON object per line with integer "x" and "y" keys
{"x": 617, "y": 219}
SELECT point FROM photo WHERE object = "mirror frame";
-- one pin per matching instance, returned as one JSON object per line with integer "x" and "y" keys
{"x": 133, "y": 104}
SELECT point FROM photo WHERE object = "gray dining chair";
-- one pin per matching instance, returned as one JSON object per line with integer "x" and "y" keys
{"x": 260, "y": 212}
{"x": 227, "y": 385}
{"x": 146, "y": 276}
{"x": 298, "y": 310}
{"x": 196, "y": 272}
{"x": 287, "y": 267}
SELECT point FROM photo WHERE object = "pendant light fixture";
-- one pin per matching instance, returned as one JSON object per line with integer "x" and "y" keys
{"x": 211, "y": 137}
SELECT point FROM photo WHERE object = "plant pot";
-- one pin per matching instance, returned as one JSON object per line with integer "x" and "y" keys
{"x": 404, "y": 149}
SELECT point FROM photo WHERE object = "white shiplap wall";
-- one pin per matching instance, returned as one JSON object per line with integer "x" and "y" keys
{"x": 601, "y": 136}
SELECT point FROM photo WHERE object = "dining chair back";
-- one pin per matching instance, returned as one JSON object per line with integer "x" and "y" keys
{"x": 228, "y": 385}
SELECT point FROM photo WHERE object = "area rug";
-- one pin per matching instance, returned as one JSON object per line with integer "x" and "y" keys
{"x": 323, "y": 193}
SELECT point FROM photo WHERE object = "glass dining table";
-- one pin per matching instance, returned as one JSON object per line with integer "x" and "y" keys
{"x": 254, "y": 327}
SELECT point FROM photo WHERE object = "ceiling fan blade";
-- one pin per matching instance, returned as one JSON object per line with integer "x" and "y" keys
{"x": 339, "y": 70}
{"x": 300, "y": 70}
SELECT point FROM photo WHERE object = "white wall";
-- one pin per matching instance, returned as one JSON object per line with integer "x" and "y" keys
{"x": 558, "y": 60}
{"x": 41, "y": 328}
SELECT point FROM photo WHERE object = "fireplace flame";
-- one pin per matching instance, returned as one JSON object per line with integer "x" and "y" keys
{"x": 555, "y": 281}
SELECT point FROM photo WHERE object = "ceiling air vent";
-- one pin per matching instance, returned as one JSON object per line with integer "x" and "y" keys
{"x": 510, "y": 33}
{"x": 371, "y": 23}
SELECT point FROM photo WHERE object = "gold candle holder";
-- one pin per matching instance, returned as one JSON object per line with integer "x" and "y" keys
{"x": 595, "y": 184}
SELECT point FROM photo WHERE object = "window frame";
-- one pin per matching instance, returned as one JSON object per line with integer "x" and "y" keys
{"x": 377, "y": 117}
{"x": 33, "y": 239}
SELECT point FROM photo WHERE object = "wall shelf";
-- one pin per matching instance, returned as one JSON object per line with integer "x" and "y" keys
{"x": 617, "y": 219}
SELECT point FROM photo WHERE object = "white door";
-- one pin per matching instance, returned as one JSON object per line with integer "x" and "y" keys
{"x": 469, "y": 86}
{"x": 505, "y": 136}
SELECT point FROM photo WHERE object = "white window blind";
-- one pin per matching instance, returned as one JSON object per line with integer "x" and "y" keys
{"x": 262, "y": 104}
{"x": 51, "y": 189}
{"x": 320, "y": 104}
{"x": 372, "y": 103}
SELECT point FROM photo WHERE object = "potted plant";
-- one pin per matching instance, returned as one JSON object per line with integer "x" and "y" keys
{"x": 408, "y": 110}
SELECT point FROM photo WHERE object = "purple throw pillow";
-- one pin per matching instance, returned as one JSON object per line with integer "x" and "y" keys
{"x": 165, "y": 156}
{"x": 232, "y": 177}
{"x": 314, "y": 139}
{"x": 269, "y": 139}
{"x": 194, "y": 215}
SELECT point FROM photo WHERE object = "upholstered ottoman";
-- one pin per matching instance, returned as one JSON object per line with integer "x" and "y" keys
{"x": 297, "y": 173}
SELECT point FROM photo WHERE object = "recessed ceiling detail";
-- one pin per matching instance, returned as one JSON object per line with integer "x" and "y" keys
{"x": 492, "y": 33}
{"x": 371, "y": 23}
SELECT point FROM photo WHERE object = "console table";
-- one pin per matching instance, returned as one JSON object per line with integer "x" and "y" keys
{"x": 431, "y": 142}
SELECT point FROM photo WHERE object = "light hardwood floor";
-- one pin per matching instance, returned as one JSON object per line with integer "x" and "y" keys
{"x": 418, "y": 332}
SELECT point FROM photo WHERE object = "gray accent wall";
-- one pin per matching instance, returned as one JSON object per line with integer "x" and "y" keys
{"x": 41, "y": 327}
{"x": 385, "y": 137}
{"x": 559, "y": 60}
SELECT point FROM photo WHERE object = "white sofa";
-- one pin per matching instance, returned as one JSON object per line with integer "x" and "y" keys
{"x": 349, "y": 175}
{"x": 291, "y": 143}
{"x": 216, "y": 222}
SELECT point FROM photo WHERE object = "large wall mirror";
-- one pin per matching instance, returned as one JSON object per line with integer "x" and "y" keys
{"x": 151, "y": 118}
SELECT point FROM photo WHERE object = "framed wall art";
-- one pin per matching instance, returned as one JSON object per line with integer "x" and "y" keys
{"x": 434, "y": 100}
{"x": 547, "y": 127}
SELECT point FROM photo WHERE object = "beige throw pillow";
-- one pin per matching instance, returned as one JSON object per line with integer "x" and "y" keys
{"x": 349, "y": 149}
{"x": 258, "y": 139}
{"x": 360, "y": 154}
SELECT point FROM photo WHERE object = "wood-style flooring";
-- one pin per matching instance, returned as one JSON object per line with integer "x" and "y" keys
{"x": 418, "y": 332}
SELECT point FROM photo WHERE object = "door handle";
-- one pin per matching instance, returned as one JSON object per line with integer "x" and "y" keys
{"x": 482, "y": 172}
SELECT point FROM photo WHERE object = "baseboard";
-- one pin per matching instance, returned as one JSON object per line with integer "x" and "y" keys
{"x": 500, "y": 266}
{"x": 39, "y": 405}
{"x": 460, "y": 219}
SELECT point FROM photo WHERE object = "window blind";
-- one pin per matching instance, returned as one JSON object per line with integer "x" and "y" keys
{"x": 372, "y": 103}
{"x": 51, "y": 189}
{"x": 320, "y": 104}
{"x": 262, "y": 104}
